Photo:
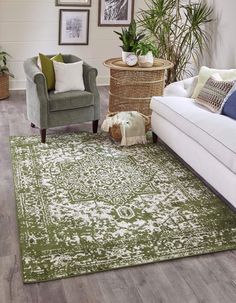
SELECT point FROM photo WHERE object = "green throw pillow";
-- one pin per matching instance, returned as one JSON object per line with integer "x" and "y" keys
{"x": 48, "y": 69}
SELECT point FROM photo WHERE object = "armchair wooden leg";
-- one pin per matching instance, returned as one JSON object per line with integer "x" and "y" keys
{"x": 32, "y": 125}
{"x": 154, "y": 137}
{"x": 43, "y": 135}
{"x": 95, "y": 126}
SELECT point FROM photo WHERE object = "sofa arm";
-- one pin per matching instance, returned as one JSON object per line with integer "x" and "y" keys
{"x": 183, "y": 88}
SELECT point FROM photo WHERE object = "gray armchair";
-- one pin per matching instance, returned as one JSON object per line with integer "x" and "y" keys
{"x": 46, "y": 109}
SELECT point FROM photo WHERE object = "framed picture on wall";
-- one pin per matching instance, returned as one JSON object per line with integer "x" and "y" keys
{"x": 115, "y": 13}
{"x": 73, "y": 2}
{"x": 73, "y": 27}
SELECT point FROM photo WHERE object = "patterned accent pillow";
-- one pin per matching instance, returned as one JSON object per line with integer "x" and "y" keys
{"x": 214, "y": 93}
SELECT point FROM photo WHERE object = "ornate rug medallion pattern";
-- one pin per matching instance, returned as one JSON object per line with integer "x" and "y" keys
{"x": 86, "y": 205}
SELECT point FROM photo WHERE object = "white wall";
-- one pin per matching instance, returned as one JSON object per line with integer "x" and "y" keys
{"x": 223, "y": 49}
{"x": 28, "y": 27}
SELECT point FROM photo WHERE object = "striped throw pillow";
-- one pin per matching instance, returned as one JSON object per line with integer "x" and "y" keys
{"x": 214, "y": 93}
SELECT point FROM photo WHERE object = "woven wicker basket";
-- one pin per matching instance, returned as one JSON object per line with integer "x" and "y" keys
{"x": 4, "y": 86}
{"x": 133, "y": 90}
{"x": 115, "y": 132}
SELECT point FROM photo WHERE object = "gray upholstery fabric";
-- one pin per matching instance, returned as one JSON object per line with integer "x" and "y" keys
{"x": 61, "y": 117}
{"x": 70, "y": 100}
{"x": 47, "y": 110}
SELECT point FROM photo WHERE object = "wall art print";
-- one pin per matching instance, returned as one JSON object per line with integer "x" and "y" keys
{"x": 74, "y": 27}
{"x": 115, "y": 12}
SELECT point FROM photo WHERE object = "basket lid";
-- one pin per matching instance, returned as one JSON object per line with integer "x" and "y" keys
{"x": 117, "y": 63}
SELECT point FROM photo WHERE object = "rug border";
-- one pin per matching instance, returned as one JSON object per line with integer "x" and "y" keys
{"x": 209, "y": 252}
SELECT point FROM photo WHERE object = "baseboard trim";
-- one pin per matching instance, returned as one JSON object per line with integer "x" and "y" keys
{"x": 21, "y": 84}
{"x": 17, "y": 84}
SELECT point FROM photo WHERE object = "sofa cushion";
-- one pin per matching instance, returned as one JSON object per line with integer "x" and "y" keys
{"x": 216, "y": 133}
{"x": 70, "y": 100}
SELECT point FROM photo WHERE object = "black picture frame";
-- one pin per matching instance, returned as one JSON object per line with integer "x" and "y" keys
{"x": 73, "y": 3}
{"x": 120, "y": 16}
{"x": 74, "y": 26}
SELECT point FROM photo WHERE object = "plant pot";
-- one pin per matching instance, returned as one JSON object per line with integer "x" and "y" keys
{"x": 124, "y": 55}
{"x": 4, "y": 86}
{"x": 146, "y": 60}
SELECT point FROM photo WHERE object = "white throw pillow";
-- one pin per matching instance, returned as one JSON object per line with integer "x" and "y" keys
{"x": 69, "y": 76}
{"x": 206, "y": 72}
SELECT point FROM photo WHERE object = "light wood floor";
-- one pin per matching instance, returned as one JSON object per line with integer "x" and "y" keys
{"x": 210, "y": 278}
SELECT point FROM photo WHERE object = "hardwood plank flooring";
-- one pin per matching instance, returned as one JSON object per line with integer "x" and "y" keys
{"x": 209, "y": 278}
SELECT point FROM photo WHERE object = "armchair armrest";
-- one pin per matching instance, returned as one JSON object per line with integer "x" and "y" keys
{"x": 183, "y": 88}
{"x": 35, "y": 75}
{"x": 36, "y": 94}
{"x": 32, "y": 71}
{"x": 89, "y": 75}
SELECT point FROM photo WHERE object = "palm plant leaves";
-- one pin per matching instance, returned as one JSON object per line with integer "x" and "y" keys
{"x": 178, "y": 30}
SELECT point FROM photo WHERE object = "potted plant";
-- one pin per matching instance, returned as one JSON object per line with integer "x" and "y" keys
{"x": 130, "y": 39}
{"x": 146, "y": 51}
{"x": 4, "y": 76}
{"x": 179, "y": 29}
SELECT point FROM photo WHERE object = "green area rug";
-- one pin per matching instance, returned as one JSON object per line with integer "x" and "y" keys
{"x": 87, "y": 205}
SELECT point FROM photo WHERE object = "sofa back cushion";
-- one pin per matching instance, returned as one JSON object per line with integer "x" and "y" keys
{"x": 214, "y": 93}
{"x": 206, "y": 72}
{"x": 229, "y": 108}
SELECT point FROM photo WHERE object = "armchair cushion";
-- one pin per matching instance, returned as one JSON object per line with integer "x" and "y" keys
{"x": 70, "y": 100}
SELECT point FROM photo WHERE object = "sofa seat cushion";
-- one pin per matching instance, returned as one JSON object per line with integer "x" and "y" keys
{"x": 216, "y": 133}
{"x": 70, "y": 100}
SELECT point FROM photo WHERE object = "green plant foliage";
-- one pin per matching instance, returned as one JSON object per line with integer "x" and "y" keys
{"x": 143, "y": 48}
{"x": 3, "y": 64}
{"x": 129, "y": 37}
{"x": 178, "y": 29}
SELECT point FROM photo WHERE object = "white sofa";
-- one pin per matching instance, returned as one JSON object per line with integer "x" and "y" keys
{"x": 204, "y": 140}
